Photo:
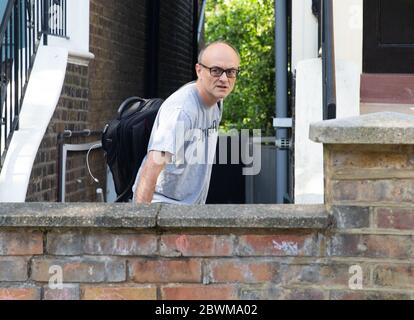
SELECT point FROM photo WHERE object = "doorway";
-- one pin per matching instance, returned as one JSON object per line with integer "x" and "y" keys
{"x": 388, "y": 36}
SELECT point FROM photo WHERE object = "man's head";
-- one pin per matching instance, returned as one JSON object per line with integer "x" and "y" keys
{"x": 213, "y": 83}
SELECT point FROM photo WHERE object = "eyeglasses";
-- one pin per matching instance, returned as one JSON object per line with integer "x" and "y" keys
{"x": 217, "y": 71}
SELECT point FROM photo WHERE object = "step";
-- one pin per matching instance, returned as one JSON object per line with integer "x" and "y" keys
{"x": 380, "y": 107}
{"x": 387, "y": 89}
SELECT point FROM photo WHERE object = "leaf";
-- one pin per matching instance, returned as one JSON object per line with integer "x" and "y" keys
{"x": 249, "y": 26}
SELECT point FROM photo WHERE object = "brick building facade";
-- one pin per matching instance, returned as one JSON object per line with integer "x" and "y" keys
{"x": 141, "y": 48}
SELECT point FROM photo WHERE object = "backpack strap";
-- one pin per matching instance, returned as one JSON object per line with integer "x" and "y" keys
{"x": 128, "y": 102}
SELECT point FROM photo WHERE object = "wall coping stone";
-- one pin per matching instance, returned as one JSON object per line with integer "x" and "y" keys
{"x": 91, "y": 215}
{"x": 245, "y": 216}
{"x": 374, "y": 128}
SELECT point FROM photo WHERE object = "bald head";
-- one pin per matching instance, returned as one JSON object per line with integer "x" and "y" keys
{"x": 217, "y": 46}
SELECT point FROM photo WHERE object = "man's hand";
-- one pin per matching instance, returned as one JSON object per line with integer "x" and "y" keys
{"x": 153, "y": 166}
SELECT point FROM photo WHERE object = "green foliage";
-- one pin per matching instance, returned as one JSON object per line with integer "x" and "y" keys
{"x": 249, "y": 26}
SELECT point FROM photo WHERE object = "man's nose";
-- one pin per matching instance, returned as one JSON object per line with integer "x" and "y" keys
{"x": 224, "y": 77}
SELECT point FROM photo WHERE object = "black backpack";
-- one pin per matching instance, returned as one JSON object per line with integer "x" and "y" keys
{"x": 125, "y": 142}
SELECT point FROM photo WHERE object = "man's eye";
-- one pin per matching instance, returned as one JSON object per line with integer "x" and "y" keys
{"x": 216, "y": 70}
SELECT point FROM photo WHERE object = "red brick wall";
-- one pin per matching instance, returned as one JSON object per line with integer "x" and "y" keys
{"x": 362, "y": 174}
{"x": 71, "y": 114}
{"x": 102, "y": 263}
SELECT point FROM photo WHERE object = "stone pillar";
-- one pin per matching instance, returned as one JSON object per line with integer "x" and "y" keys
{"x": 369, "y": 192}
{"x": 368, "y": 160}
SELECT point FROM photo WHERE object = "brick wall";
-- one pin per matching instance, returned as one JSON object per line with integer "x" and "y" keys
{"x": 379, "y": 180}
{"x": 289, "y": 252}
{"x": 176, "y": 45}
{"x": 71, "y": 114}
{"x": 363, "y": 174}
{"x": 369, "y": 163}
{"x": 122, "y": 252}
{"x": 125, "y": 264}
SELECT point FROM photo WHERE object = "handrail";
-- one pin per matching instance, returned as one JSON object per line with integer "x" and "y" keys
{"x": 57, "y": 18}
{"x": 21, "y": 28}
{"x": 6, "y": 18}
{"x": 328, "y": 60}
{"x": 53, "y": 18}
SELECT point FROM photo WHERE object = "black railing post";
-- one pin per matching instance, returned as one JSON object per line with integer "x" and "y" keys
{"x": 45, "y": 20}
{"x": 16, "y": 40}
{"x": 328, "y": 61}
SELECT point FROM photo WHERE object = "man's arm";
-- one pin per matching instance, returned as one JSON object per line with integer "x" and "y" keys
{"x": 153, "y": 166}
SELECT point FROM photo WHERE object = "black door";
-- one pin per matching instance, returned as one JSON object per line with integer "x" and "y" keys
{"x": 227, "y": 184}
{"x": 388, "y": 36}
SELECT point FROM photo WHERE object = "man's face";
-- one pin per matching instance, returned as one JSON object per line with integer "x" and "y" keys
{"x": 216, "y": 57}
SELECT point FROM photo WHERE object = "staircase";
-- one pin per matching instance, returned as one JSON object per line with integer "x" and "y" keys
{"x": 27, "y": 106}
{"x": 387, "y": 92}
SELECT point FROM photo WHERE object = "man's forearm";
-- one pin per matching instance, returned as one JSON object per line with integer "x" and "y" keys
{"x": 146, "y": 187}
{"x": 152, "y": 168}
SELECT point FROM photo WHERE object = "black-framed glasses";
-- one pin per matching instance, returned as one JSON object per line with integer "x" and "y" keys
{"x": 217, "y": 71}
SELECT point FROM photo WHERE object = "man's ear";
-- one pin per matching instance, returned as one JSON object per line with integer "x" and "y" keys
{"x": 198, "y": 70}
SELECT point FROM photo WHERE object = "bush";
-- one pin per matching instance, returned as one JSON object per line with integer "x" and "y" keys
{"x": 249, "y": 25}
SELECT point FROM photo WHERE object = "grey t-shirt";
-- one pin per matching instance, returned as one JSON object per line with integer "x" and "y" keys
{"x": 188, "y": 129}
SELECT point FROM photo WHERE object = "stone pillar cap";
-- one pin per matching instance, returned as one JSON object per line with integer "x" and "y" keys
{"x": 373, "y": 128}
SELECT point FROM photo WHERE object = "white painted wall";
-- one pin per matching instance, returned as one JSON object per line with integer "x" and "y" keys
{"x": 348, "y": 16}
{"x": 304, "y": 32}
{"x": 309, "y": 176}
{"x": 77, "y": 30}
{"x": 348, "y": 20}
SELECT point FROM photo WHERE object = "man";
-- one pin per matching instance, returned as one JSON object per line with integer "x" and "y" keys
{"x": 179, "y": 173}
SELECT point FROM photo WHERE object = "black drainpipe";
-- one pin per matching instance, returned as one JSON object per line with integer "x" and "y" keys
{"x": 195, "y": 35}
{"x": 316, "y": 10}
{"x": 153, "y": 27}
{"x": 328, "y": 61}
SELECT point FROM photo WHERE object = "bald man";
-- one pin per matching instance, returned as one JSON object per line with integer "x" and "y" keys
{"x": 181, "y": 150}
